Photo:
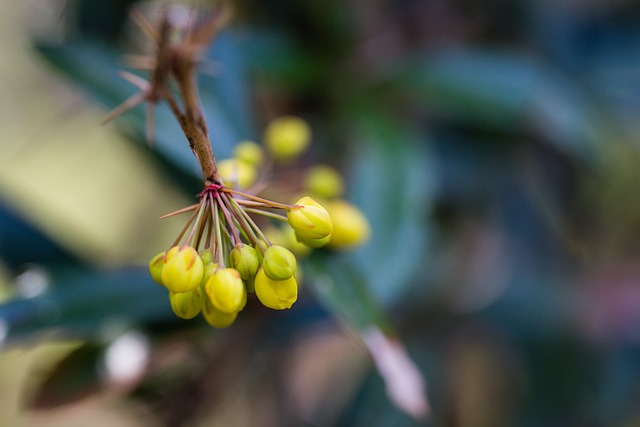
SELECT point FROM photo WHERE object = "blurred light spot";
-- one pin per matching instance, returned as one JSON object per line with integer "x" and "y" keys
{"x": 32, "y": 282}
{"x": 126, "y": 358}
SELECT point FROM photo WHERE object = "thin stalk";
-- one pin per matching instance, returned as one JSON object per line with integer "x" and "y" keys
{"x": 234, "y": 232}
{"x": 270, "y": 203}
{"x": 267, "y": 214}
{"x": 184, "y": 229}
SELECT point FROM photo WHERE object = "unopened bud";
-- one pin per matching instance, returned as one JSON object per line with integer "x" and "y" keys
{"x": 279, "y": 263}
{"x": 237, "y": 173}
{"x": 314, "y": 243}
{"x": 186, "y": 305}
{"x": 216, "y": 318}
{"x": 350, "y": 226}
{"x": 155, "y": 267}
{"x": 276, "y": 294}
{"x": 287, "y": 137}
{"x": 324, "y": 181}
{"x": 183, "y": 269}
{"x": 249, "y": 152}
{"x": 226, "y": 290}
{"x": 245, "y": 259}
{"x": 310, "y": 220}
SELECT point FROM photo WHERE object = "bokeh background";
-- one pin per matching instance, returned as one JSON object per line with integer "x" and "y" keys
{"x": 493, "y": 145}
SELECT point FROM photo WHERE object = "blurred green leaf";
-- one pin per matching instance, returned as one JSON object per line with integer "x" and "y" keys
{"x": 393, "y": 180}
{"x": 77, "y": 303}
{"x": 506, "y": 91}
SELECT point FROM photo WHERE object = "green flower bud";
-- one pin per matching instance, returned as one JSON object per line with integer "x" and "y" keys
{"x": 314, "y": 243}
{"x": 216, "y": 318}
{"x": 206, "y": 256}
{"x": 209, "y": 269}
{"x": 278, "y": 263}
{"x": 287, "y": 137}
{"x": 324, "y": 182}
{"x": 310, "y": 220}
{"x": 276, "y": 294}
{"x": 183, "y": 269}
{"x": 350, "y": 226}
{"x": 249, "y": 152}
{"x": 226, "y": 290}
{"x": 237, "y": 173}
{"x": 245, "y": 259}
{"x": 186, "y": 305}
{"x": 260, "y": 247}
{"x": 156, "y": 266}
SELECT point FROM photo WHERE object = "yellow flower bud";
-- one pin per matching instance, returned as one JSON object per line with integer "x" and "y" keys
{"x": 186, "y": 305}
{"x": 245, "y": 259}
{"x": 350, "y": 226}
{"x": 276, "y": 294}
{"x": 183, "y": 269}
{"x": 278, "y": 263}
{"x": 314, "y": 243}
{"x": 310, "y": 220}
{"x": 216, "y": 318}
{"x": 287, "y": 137}
{"x": 156, "y": 266}
{"x": 324, "y": 182}
{"x": 249, "y": 152}
{"x": 237, "y": 173}
{"x": 225, "y": 290}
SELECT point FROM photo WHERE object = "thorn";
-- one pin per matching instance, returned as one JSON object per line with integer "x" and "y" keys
{"x": 181, "y": 211}
{"x": 131, "y": 102}
{"x": 141, "y": 21}
{"x": 135, "y": 80}
{"x": 140, "y": 62}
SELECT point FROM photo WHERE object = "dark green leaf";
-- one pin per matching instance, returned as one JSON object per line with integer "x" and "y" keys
{"x": 75, "y": 377}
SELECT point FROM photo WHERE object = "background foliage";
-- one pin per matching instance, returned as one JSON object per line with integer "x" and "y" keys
{"x": 493, "y": 146}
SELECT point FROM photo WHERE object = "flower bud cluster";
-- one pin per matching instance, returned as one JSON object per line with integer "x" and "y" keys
{"x": 222, "y": 254}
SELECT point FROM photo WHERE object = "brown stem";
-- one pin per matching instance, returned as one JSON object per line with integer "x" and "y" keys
{"x": 193, "y": 123}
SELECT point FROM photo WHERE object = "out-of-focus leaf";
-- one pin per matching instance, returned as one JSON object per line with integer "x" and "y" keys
{"x": 393, "y": 182}
{"x": 404, "y": 382}
{"x": 393, "y": 185}
{"x": 508, "y": 92}
{"x": 94, "y": 67}
{"x": 73, "y": 378}
{"x": 78, "y": 303}
{"x": 22, "y": 243}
